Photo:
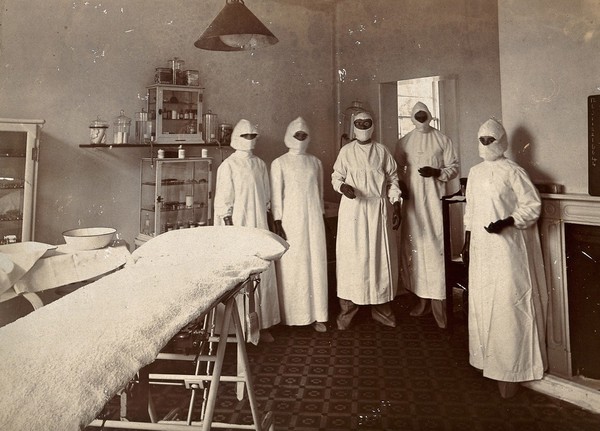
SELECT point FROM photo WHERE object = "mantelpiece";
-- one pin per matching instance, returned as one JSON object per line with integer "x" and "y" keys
{"x": 558, "y": 210}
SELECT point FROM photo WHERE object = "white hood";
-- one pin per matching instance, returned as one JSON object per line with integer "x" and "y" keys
{"x": 295, "y": 145}
{"x": 363, "y": 135}
{"x": 243, "y": 127}
{"x": 425, "y": 126}
{"x": 496, "y": 149}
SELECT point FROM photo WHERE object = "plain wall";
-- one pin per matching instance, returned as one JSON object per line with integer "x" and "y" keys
{"x": 549, "y": 65}
{"x": 69, "y": 62}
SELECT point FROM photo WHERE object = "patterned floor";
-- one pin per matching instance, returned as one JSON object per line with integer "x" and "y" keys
{"x": 370, "y": 377}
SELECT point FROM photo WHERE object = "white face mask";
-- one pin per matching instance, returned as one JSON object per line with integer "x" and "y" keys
{"x": 496, "y": 149}
{"x": 490, "y": 152}
{"x": 294, "y": 144}
{"x": 363, "y": 135}
{"x": 243, "y": 127}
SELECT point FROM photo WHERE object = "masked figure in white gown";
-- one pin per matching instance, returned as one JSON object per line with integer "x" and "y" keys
{"x": 365, "y": 173}
{"x": 298, "y": 207}
{"x": 242, "y": 198}
{"x": 426, "y": 161}
{"x": 507, "y": 285}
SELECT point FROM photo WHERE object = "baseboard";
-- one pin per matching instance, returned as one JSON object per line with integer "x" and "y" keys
{"x": 583, "y": 396}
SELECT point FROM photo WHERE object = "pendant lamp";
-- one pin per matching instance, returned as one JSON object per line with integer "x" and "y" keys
{"x": 235, "y": 29}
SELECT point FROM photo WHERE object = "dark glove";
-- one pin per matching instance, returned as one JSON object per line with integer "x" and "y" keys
{"x": 498, "y": 226}
{"x": 228, "y": 221}
{"x": 397, "y": 217}
{"x": 465, "y": 250}
{"x": 348, "y": 191}
{"x": 404, "y": 190}
{"x": 428, "y": 171}
{"x": 279, "y": 229}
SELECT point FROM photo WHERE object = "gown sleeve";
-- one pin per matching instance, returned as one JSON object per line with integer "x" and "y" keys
{"x": 393, "y": 184}
{"x": 468, "y": 215}
{"x": 339, "y": 170}
{"x": 529, "y": 204}
{"x": 266, "y": 185}
{"x": 451, "y": 165}
{"x": 277, "y": 184}
{"x": 320, "y": 177}
{"x": 224, "y": 192}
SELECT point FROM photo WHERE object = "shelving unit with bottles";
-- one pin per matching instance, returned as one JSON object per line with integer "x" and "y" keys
{"x": 175, "y": 113}
{"x": 19, "y": 146}
{"x": 175, "y": 194}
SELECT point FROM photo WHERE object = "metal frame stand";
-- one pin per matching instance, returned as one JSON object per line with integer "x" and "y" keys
{"x": 209, "y": 381}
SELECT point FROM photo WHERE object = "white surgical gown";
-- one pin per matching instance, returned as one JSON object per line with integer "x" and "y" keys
{"x": 507, "y": 285}
{"x": 297, "y": 200}
{"x": 243, "y": 192}
{"x": 422, "y": 231}
{"x": 366, "y": 255}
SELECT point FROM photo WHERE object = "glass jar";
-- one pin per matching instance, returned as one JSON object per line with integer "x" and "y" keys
{"x": 122, "y": 126}
{"x": 141, "y": 129}
{"x": 98, "y": 131}
{"x": 163, "y": 75}
{"x": 225, "y": 130}
{"x": 192, "y": 78}
{"x": 210, "y": 127}
{"x": 177, "y": 68}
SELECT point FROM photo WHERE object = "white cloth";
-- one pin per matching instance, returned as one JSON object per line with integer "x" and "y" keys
{"x": 243, "y": 127}
{"x": 243, "y": 192}
{"x": 421, "y": 239}
{"x": 366, "y": 255}
{"x": 507, "y": 286}
{"x": 297, "y": 200}
{"x": 61, "y": 364}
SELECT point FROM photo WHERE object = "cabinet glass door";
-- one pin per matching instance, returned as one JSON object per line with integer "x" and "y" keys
{"x": 175, "y": 113}
{"x": 18, "y": 166}
{"x": 175, "y": 194}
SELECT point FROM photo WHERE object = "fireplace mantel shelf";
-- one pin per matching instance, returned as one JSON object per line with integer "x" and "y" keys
{"x": 557, "y": 211}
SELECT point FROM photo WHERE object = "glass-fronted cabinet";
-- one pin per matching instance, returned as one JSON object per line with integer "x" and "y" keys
{"x": 175, "y": 114}
{"x": 19, "y": 146}
{"x": 175, "y": 194}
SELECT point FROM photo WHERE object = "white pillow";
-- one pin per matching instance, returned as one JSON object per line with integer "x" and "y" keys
{"x": 214, "y": 241}
{"x": 18, "y": 258}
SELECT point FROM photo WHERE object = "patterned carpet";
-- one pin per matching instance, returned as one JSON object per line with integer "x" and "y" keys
{"x": 370, "y": 377}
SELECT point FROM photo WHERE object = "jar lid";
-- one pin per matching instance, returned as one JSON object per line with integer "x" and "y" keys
{"x": 99, "y": 124}
{"x": 122, "y": 119}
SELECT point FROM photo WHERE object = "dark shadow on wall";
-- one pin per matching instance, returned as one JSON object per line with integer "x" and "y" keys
{"x": 523, "y": 149}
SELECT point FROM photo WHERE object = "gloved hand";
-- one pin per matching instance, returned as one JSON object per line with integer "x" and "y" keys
{"x": 498, "y": 226}
{"x": 428, "y": 171}
{"x": 279, "y": 229}
{"x": 397, "y": 217}
{"x": 465, "y": 249}
{"x": 348, "y": 191}
{"x": 228, "y": 221}
{"x": 404, "y": 190}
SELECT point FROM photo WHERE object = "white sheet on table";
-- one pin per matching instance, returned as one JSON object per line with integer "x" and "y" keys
{"x": 63, "y": 362}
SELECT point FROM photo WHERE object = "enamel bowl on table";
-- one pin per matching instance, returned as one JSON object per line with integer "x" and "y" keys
{"x": 89, "y": 238}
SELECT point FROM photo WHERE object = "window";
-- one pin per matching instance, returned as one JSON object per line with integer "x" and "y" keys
{"x": 397, "y": 98}
{"x": 411, "y": 91}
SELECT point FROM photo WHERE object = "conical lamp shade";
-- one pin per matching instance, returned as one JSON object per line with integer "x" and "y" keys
{"x": 235, "y": 29}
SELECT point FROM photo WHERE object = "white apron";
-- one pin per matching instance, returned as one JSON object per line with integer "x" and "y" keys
{"x": 422, "y": 232}
{"x": 243, "y": 192}
{"x": 507, "y": 286}
{"x": 366, "y": 255}
{"x": 297, "y": 200}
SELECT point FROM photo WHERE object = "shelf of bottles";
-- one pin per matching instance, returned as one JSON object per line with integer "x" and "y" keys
{"x": 175, "y": 194}
{"x": 175, "y": 114}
